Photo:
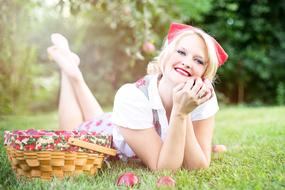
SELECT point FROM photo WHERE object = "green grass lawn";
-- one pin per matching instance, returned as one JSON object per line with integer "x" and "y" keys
{"x": 255, "y": 138}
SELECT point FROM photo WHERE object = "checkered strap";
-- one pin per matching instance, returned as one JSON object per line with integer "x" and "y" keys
{"x": 143, "y": 84}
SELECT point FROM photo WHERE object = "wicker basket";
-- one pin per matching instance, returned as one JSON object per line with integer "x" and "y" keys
{"x": 47, "y": 164}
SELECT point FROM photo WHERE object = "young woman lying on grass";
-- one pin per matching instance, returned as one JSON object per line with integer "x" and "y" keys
{"x": 165, "y": 119}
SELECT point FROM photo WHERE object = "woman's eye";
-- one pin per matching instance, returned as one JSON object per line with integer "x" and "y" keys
{"x": 181, "y": 52}
{"x": 200, "y": 61}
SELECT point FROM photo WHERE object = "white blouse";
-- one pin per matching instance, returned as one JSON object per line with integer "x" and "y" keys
{"x": 133, "y": 110}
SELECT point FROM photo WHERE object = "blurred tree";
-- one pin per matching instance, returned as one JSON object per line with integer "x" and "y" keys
{"x": 253, "y": 33}
{"x": 280, "y": 91}
{"x": 26, "y": 84}
{"x": 16, "y": 57}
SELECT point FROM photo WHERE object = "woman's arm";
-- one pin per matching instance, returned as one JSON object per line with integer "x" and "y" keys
{"x": 148, "y": 146}
{"x": 169, "y": 154}
{"x": 172, "y": 152}
{"x": 158, "y": 155}
{"x": 194, "y": 150}
{"x": 198, "y": 143}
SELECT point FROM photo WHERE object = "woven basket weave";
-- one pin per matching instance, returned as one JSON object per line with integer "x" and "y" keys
{"x": 48, "y": 164}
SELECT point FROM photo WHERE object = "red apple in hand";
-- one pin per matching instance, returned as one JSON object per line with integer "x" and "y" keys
{"x": 165, "y": 181}
{"x": 128, "y": 179}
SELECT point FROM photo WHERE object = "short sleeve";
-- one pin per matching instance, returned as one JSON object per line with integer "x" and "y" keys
{"x": 131, "y": 108}
{"x": 205, "y": 110}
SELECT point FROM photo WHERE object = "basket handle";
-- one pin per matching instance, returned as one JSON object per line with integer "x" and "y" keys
{"x": 92, "y": 146}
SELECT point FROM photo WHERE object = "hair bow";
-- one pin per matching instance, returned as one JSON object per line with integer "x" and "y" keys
{"x": 175, "y": 28}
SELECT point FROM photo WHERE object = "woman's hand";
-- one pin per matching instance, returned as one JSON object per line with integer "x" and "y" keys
{"x": 187, "y": 96}
{"x": 209, "y": 87}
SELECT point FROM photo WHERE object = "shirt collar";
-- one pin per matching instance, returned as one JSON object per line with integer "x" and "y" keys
{"x": 154, "y": 98}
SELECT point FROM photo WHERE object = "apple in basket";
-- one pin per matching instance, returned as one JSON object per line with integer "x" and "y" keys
{"x": 165, "y": 181}
{"x": 128, "y": 179}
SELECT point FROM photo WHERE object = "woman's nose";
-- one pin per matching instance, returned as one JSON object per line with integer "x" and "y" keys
{"x": 187, "y": 65}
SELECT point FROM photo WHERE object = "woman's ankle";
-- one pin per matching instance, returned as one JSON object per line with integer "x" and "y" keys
{"x": 74, "y": 77}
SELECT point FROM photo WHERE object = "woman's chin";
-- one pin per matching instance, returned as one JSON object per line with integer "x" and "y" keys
{"x": 175, "y": 78}
{"x": 180, "y": 78}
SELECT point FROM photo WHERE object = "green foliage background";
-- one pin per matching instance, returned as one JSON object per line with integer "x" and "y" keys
{"x": 109, "y": 35}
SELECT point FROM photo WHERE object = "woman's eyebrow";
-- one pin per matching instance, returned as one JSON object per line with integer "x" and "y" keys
{"x": 184, "y": 48}
{"x": 197, "y": 56}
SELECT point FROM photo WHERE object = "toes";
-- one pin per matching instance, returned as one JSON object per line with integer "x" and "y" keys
{"x": 60, "y": 41}
{"x": 60, "y": 48}
{"x": 54, "y": 52}
{"x": 50, "y": 51}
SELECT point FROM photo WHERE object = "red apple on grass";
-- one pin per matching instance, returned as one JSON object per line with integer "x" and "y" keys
{"x": 128, "y": 179}
{"x": 218, "y": 148}
{"x": 165, "y": 181}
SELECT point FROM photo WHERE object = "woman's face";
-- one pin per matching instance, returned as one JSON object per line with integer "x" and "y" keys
{"x": 189, "y": 59}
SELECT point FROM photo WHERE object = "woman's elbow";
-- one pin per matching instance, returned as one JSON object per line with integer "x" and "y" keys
{"x": 198, "y": 166}
{"x": 160, "y": 167}
{"x": 153, "y": 168}
{"x": 204, "y": 165}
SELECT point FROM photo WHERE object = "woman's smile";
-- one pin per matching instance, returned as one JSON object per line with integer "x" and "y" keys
{"x": 182, "y": 71}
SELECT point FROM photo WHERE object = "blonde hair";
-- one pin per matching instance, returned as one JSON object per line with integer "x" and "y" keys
{"x": 156, "y": 66}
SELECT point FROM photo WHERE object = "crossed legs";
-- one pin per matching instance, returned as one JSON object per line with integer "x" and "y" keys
{"x": 76, "y": 102}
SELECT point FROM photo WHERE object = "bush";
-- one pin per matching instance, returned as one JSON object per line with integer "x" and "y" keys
{"x": 280, "y": 91}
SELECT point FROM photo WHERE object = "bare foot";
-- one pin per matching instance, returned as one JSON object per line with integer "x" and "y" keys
{"x": 218, "y": 148}
{"x": 65, "y": 61}
{"x": 62, "y": 43}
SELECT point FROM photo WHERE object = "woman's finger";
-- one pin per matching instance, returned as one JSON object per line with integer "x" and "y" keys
{"x": 205, "y": 98}
{"x": 202, "y": 92}
{"x": 189, "y": 84}
{"x": 197, "y": 86}
{"x": 209, "y": 84}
